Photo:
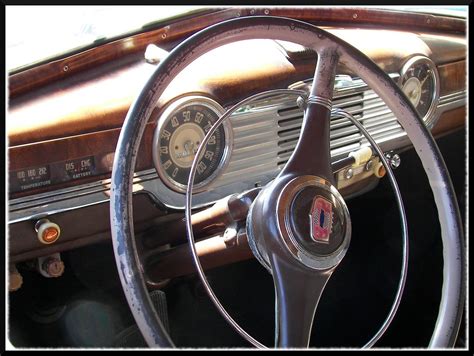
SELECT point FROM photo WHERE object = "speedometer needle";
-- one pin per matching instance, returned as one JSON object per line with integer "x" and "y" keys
{"x": 424, "y": 80}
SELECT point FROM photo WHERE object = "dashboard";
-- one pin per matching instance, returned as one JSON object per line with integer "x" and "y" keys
{"x": 62, "y": 136}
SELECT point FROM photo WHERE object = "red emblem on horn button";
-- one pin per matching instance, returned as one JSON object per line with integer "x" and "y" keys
{"x": 321, "y": 219}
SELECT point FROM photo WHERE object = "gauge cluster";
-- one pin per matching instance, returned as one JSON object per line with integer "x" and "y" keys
{"x": 54, "y": 173}
{"x": 183, "y": 124}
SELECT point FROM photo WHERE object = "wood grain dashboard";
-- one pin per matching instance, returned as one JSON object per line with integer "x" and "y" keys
{"x": 166, "y": 34}
{"x": 57, "y": 120}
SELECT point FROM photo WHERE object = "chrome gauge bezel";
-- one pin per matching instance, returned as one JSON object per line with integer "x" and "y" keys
{"x": 164, "y": 118}
{"x": 429, "y": 118}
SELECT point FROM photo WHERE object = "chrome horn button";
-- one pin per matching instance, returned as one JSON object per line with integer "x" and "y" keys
{"x": 313, "y": 221}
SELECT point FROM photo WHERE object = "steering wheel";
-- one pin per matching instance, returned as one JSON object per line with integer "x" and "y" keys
{"x": 300, "y": 252}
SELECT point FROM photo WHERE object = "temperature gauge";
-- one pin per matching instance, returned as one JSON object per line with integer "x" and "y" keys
{"x": 419, "y": 81}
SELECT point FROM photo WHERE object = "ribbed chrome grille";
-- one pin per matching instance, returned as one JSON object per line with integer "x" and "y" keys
{"x": 453, "y": 98}
{"x": 266, "y": 133}
{"x": 364, "y": 104}
{"x": 254, "y": 148}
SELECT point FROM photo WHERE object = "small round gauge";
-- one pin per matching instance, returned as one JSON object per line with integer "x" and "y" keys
{"x": 180, "y": 130}
{"x": 420, "y": 82}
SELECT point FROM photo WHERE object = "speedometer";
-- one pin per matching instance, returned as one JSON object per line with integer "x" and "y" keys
{"x": 180, "y": 130}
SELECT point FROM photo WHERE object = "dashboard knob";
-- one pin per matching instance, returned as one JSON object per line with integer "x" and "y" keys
{"x": 53, "y": 267}
{"x": 379, "y": 170}
{"x": 349, "y": 173}
{"x": 395, "y": 161}
{"x": 47, "y": 231}
{"x": 16, "y": 280}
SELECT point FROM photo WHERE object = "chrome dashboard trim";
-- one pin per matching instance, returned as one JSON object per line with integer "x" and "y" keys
{"x": 262, "y": 166}
{"x": 44, "y": 204}
{"x": 314, "y": 99}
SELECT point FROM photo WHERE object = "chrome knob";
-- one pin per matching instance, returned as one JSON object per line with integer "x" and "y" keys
{"x": 395, "y": 161}
{"x": 349, "y": 173}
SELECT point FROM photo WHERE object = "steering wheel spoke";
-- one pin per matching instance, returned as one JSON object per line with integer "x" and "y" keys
{"x": 312, "y": 155}
{"x": 297, "y": 293}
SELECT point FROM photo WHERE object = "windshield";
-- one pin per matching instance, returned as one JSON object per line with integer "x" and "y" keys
{"x": 36, "y": 33}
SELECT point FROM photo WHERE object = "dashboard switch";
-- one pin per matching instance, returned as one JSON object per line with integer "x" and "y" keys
{"x": 47, "y": 231}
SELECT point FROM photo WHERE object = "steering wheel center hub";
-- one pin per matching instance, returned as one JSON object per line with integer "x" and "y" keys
{"x": 313, "y": 221}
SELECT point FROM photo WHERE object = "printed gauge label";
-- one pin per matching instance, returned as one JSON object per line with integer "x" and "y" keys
{"x": 45, "y": 175}
{"x": 79, "y": 168}
{"x": 30, "y": 178}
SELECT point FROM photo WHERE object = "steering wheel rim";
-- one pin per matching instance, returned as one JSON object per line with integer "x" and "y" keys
{"x": 127, "y": 261}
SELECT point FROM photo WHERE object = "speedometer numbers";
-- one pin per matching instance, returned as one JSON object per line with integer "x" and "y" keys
{"x": 420, "y": 82}
{"x": 180, "y": 131}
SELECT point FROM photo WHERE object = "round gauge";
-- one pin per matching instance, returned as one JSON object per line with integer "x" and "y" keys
{"x": 180, "y": 130}
{"x": 420, "y": 82}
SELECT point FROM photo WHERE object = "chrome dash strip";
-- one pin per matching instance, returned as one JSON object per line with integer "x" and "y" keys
{"x": 276, "y": 121}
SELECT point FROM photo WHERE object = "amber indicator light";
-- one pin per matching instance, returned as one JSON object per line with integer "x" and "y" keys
{"x": 51, "y": 234}
{"x": 47, "y": 231}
